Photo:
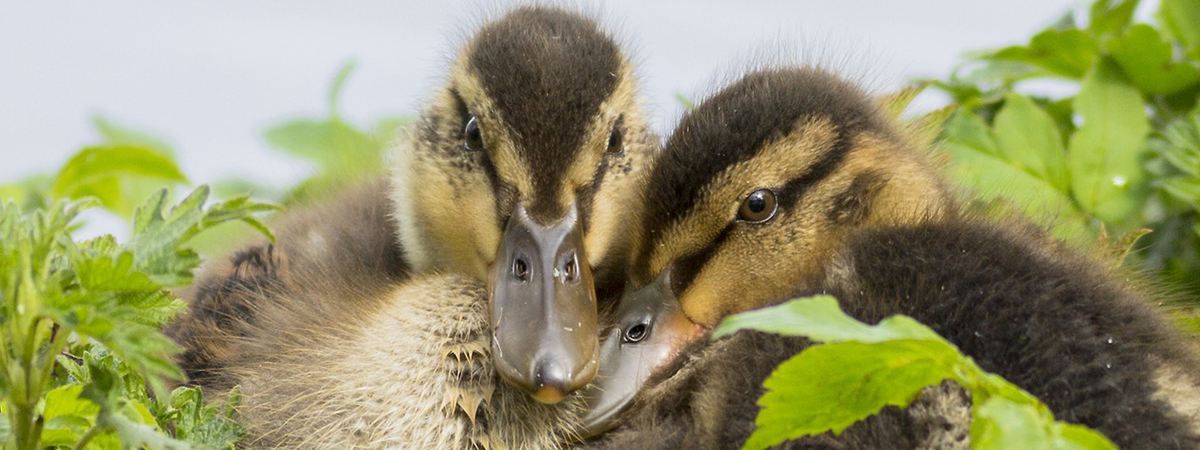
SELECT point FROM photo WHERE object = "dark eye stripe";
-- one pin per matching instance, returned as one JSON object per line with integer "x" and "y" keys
{"x": 828, "y": 164}
{"x": 685, "y": 269}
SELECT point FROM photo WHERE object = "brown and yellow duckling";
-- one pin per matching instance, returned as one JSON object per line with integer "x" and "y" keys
{"x": 791, "y": 182}
{"x": 513, "y": 176}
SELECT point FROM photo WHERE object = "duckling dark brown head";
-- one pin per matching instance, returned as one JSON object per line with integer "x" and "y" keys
{"x": 759, "y": 184}
{"x": 512, "y": 177}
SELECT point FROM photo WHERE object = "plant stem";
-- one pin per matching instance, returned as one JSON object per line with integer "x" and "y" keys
{"x": 91, "y": 433}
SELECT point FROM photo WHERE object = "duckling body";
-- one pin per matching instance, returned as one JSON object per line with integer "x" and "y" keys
{"x": 550, "y": 152}
{"x": 410, "y": 369}
{"x": 808, "y": 189}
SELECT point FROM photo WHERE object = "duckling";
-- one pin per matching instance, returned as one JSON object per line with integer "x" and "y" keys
{"x": 791, "y": 182}
{"x": 512, "y": 175}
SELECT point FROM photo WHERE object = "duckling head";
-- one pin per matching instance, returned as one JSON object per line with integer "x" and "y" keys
{"x": 759, "y": 185}
{"x": 512, "y": 175}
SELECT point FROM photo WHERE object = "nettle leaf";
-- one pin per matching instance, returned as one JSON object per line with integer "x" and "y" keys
{"x": 1146, "y": 59}
{"x": 839, "y": 384}
{"x": 98, "y": 171}
{"x": 827, "y": 388}
{"x": 1182, "y": 148}
{"x": 159, "y": 234}
{"x": 1182, "y": 19}
{"x": 1110, "y": 19}
{"x": 976, "y": 161}
{"x": 820, "y": 319}
{"x": 1068, "y": 53}
{"x": 1104, "y": 155}
{"x": 1029, "y": 139}
{"x": 1184, "y": 189}
{"x": 131, "y": 421}
{"x": 1001, "y": 424}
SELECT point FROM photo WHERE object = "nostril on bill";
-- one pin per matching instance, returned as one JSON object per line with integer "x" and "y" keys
{"x": 571, "y": 269}
{"x": 520, "y": 269}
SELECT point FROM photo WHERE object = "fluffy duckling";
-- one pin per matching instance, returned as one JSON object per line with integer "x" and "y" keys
{"x": 513, "y": 175}
{"x": 791, "y": 182}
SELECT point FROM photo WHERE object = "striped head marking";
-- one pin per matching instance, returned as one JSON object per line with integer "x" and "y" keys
{"x": 507, "y": 172}
{"x": 760, "y": 183}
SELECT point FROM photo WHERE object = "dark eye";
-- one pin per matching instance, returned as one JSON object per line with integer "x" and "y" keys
{"x": 615, "y": 144}
{"x": 636, "y": 333}
{"x": 758, "y": 207}
{"x": 472, "y": 135}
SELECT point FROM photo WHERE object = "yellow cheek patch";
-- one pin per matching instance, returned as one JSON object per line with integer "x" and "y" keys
{"x": 772, "y": 167}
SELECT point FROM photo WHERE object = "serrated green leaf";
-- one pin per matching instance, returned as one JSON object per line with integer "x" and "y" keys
{"x": 1104, "y": 155}
{"x": 976, "y": 162}
{"x": 1182, "y": 145}
{"x": 1184, "y": 189}
{"x": 1001, "y": 424}
{"x": 118, "y": 135}
{"x": 1029, "y": 140}
{"x": 1182, "y": 19}
{"x": 840, "y": 384}
{"x": 820, "y": 319}
{"x": 94, "y": 165}
{"x": 1068, "y": 53}
{"x": 1109, "y": 19}
{"x": 1146, "y": 59}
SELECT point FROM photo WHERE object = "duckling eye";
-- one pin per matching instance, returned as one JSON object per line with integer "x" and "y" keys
{"x": 614, "y": 140}
{"x": 636, "y": 333}
{"x": 472, "y": 135}
{"x": 758, "y": 207}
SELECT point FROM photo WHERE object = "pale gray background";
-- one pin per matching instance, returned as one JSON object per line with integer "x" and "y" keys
{"x": 210, "y": 76}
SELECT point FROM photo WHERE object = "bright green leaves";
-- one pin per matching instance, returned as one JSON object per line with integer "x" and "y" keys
{"x": 830, "y": 387}
{"x": 102, "y": 171}
{"x": 1067, "y": 53}
{"x": 862, "y": 368}
{"x": 1110, "y": 19}
{"x": 1002, "y": 163}
{"x": 1028, "y": 137}
{"x": 1182, "y": 19}
{"x": 341, "y": 151}
{"x": 63, "y": 297}
{"x": 1104, "y": 155}
{"x": 1146, "y": 59}
{"x": 159, "y": 233}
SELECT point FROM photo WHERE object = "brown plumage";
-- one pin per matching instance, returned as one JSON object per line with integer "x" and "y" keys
{"x": 791, "y": 182}
{"x": 304, "y": 324}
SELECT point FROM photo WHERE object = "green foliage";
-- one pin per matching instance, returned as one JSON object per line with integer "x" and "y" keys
{"x": 862, "y": 368}
{"x": 1116, "y": 157}
{"x": 80, "y": 334}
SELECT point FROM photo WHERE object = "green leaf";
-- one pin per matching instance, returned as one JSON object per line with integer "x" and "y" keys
{"x": 335, "y": 90}
{"x": 840, "y": 384}
{"x": 1146, "y": 59}
{"x": 117, "y": 135}
{"x": 99, "y": 171}
{"x": 1182, "y": 144}
{"x": 687, "y": 103}
{"x": 1104, "y": 156}
{"x": 1001, "y": 424}
{"x": 820, "y": 319}
{"x": 159, "y": 235}
{"x": 331, "y": 144}
{"x": 1068, "y": 53}
{"x": 1186, "y": 190}
{"x": 1182, "y": 19}
{"x": 977, "y": 163}
{"x": 1028, "y": 138}
{"x": 1109, "y": 19}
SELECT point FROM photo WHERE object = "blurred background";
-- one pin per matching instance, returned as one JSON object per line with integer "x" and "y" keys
{"x": 209, "y": 77}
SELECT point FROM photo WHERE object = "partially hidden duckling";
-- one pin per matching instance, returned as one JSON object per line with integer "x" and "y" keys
{"x": 791, "y": 182}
